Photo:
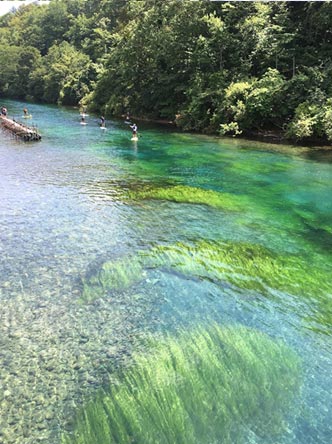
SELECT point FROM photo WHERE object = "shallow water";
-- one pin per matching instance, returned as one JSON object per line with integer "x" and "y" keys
{"x": 65, "y": 210}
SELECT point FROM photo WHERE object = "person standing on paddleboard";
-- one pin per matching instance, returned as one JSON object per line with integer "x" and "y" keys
{"x": 134, "y": 128}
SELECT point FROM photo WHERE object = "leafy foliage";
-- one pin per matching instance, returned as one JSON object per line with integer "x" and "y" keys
{"x": 62, "y": 77}
{"x": 210, "y": 66}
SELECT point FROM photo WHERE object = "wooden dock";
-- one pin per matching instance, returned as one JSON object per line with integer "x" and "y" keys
{"x": 20, "y": 130}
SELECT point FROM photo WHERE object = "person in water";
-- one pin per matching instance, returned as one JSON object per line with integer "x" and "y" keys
{"x": 82, "y": 119}
{"x": 102, "y": 121}
{"x": 134, "y": 128}
{"x": 127, "y": 121}
{"x": 25, "y": 112}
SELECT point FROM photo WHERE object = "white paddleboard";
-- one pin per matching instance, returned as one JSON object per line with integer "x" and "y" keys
{"x": 83, "y": 123}
{"x": 103, "y": 127}
{"x": 27, "y": 117}
{"x": 134, "y": 138}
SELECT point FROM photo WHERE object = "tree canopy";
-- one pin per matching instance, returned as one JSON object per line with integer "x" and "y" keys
{"x": 218, "y": 67}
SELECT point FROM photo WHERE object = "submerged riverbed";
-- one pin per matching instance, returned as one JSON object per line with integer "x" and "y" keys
{"x": 110, "y": 245}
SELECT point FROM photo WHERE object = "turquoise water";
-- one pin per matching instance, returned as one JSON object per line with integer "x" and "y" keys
{"x": 71, "y": 203}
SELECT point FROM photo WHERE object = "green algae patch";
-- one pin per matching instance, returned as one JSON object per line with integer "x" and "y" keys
{"x": 250, "y": 267}
{"x": 210, "y": 385}
{"x": 112, "y": 276}
{"x": 320, "y": 319}
{"x": 246, "y": 266}
{"x": 193, "y": 195}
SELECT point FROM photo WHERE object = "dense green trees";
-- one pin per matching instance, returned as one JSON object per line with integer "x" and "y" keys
{"x": 16, "y": 65}
{"x": 211, "y": 66}
{"x": 62, "y": 75}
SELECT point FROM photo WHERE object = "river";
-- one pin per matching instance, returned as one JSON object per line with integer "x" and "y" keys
{"x": 82, "y": 200}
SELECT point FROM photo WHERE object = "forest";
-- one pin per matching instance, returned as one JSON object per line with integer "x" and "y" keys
{"x": 214, "y": 67}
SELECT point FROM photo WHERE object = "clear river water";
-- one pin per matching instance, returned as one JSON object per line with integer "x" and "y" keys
{"x": 192, "y": 229}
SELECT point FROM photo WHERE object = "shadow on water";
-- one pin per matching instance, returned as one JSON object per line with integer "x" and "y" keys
{"x": 319, "y": 237}
{"x": 323, "y": 156}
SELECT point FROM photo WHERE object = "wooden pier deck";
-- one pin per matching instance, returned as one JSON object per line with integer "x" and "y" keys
{"x": 19, "y": 129}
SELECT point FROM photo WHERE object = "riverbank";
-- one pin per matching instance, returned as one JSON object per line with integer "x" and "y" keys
{"x": 278, "y": 137}
{"x": 266, "y": 136}
{"x": 271, "y": 136}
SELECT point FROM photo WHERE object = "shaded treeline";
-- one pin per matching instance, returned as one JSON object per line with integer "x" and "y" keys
{"x": 226, "y": 67}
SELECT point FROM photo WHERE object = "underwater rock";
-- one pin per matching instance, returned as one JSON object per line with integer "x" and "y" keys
{"x": 113, "y": 275}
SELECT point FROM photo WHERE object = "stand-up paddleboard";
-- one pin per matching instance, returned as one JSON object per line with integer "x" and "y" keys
{"x": 83, "y": 123}
{"x": 84, "y": 115}
{"x": 134, "y": 138}
{"x": 27, "y": 117}
{"x": 103, "y": 127}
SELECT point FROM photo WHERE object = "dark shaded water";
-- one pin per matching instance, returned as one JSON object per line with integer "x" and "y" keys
{"x": 65, "y": 209}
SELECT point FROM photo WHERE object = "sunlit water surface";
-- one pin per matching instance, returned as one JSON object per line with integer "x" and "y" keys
{"x": 64, "y": 211}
